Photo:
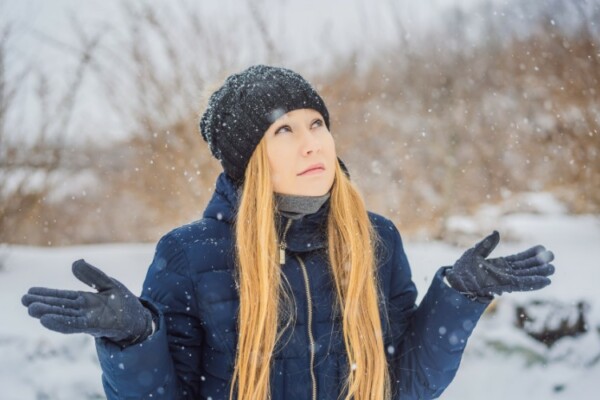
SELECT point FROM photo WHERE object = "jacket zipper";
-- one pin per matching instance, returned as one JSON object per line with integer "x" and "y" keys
{"x": 282, "y": 248}
{"x": 310, "y": 334}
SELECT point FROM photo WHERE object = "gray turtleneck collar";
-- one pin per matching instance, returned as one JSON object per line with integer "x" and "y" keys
{"x": 295, "y": 206}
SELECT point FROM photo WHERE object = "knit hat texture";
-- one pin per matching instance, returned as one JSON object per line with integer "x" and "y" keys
{"x": 239, "y": 112}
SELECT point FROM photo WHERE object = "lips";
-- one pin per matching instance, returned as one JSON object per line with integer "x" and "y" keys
{"x": 318, "y": 166}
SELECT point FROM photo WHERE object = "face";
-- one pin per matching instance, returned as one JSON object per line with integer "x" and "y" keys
{"x": 301, "y": 153}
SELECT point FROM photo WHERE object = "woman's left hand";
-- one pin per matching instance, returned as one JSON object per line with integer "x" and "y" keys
{"x": 481, "y": 278}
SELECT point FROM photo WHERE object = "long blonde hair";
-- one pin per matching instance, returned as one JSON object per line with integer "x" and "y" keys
{"x": 264, "y": 300}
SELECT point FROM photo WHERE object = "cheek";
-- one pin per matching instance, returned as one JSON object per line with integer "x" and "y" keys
{"x": 329, "y": 149}
{"x": 279, "y": 163}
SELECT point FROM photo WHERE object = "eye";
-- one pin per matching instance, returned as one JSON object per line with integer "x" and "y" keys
{"x": 285, "y": 127}
{"x": 319, "y": 122}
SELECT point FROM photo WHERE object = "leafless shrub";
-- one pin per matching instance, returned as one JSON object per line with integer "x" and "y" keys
{"x": 31, "y": 171}
{"x": 430, "y": 129}
{"x": 439, "y": 132}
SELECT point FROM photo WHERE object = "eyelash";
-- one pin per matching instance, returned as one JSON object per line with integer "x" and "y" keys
{"x": 320, "y": 121}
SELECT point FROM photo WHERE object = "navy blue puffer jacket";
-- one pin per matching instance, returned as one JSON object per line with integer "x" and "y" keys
{"x": 190, "y": 285}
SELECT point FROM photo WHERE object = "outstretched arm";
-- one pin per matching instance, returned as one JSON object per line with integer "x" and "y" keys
{"x": 428, "y": 340}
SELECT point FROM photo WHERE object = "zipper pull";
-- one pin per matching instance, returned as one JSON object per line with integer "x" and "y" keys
{"x": 282, "y": 254}
{"x": 282, "y": 244}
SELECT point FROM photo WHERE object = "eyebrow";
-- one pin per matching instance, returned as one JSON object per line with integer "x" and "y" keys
{"x": 317, "y": 118}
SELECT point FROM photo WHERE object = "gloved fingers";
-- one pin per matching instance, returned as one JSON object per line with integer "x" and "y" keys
{"x": 535, "y": 251}
{"x": 29, "y": 299}
{"x": 528, "y": 283}
{"x": 539, "y": 270}
{"x": 544, "y": 257}
{"x": 47, "y": 292}
{"x": 38, "y": 310}
{"x": 92, "y": 276}
{"x": 487, "y": 245}
{"x": 64, "y": 323}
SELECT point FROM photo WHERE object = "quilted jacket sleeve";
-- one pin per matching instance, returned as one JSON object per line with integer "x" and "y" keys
{"x": 165, "y": 365}
{"x": 429, "y": 339}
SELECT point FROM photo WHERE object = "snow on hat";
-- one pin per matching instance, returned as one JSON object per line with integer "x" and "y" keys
{"x": 239, "y": 112}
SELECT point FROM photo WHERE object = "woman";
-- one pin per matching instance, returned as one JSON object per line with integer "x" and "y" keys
{"x": 287, "y": 287}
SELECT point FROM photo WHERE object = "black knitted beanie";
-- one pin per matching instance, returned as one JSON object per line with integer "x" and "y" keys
{"x": 239, "y": 112}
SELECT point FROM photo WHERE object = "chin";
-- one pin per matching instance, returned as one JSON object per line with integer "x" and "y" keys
{"x": 315, "y": 190}
{"x": 300, "y": 187}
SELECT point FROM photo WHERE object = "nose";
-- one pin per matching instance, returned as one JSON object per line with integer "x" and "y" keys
{"x": 310, "y": 143}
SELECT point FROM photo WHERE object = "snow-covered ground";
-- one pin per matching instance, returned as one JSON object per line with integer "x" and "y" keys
{"x": 501, "y": 362}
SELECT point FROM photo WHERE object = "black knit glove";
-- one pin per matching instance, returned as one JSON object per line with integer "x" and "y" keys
{"x": 480, "y": 278}
{"x": 113, "y": 312}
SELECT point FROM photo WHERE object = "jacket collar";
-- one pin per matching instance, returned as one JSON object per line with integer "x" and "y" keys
{"x": 304, "y": 234}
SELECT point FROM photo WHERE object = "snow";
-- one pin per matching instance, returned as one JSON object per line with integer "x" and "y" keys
{"x": 500, "y": 361}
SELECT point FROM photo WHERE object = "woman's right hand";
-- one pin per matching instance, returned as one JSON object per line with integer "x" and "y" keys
{"x": 113, "y": 312}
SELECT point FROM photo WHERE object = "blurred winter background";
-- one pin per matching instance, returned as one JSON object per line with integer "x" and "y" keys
{"x": 455, "y": 117}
